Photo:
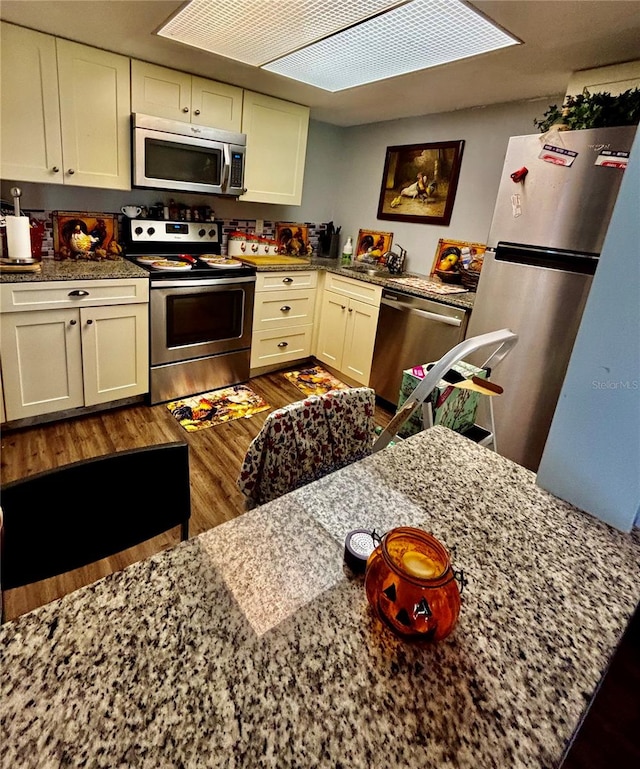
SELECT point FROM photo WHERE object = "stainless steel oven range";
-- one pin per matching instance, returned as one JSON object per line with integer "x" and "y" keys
{"x": 200, "y": 310}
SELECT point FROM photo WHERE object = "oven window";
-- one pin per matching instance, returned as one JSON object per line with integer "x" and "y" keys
{"x": 204, "y": 317}
{"x": 182, "y": 162}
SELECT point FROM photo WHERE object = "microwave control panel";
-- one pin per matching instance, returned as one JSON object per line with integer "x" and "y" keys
{"x": 237, "y": 162}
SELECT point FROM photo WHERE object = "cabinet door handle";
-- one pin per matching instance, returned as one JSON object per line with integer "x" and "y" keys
{"x": 55, "y": 170}
{"x": 89, "y": 322}
{"x": 185, "y": 109}
{"x": 285, "y": 308}
{"x": 78, "y": 292}
{"x": 197, "y": 112}
{"x": 72, "y": 322}
{"x": 343, "y": 306}
{"x": 283, "y": 344}
{"x": 287, "y": 280}
{"x": 71, "y": 172}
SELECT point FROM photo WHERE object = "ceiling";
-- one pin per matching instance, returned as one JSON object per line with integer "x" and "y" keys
{"x": 559, "y": 37}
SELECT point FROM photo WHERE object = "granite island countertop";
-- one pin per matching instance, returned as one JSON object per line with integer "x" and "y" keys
{"x": 252, "y": 645}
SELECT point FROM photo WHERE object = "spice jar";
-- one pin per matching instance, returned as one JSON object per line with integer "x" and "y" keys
{"x": 411, "y": 585}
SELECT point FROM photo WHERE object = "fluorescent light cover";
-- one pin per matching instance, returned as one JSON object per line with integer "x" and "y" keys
{"x": 415, "y": 36}
{"x": 258, "y": 31}
{"x": 337, "y": 44}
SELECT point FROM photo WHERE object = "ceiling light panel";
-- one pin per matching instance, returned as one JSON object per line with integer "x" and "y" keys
{"x": 259, "y": 31}
{"x": 413, "y": 36}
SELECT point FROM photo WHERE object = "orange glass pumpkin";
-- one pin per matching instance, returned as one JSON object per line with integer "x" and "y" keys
{"x": 411, "y": 585}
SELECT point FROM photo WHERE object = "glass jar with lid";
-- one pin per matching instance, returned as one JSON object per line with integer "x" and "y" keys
{"x": 411, "y": 585}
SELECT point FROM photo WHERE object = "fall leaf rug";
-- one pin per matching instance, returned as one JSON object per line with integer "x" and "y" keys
{"x": 213, "y": 408}
{"x": 315, "y": 381}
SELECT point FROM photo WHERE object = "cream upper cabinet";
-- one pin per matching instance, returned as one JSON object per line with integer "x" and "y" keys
{"x": 614, "y": 79}
{"x": 31, "y": 147}
{"x": 216, "y": 104}
{"x": 177, "y": 95}
{"x": 95, "y": 116}
{"x": 65, "y": 112}
{"x": 276, "y": 149}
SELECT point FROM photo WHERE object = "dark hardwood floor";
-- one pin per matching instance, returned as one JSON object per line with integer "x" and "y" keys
{"x": 609, "y": 737}
{"x": 215, "y": 457}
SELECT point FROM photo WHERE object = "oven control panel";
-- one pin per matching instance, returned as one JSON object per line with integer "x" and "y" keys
{"x": 149, "y": 231}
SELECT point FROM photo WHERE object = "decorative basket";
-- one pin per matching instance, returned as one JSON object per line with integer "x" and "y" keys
{"x": 470, "y": 278}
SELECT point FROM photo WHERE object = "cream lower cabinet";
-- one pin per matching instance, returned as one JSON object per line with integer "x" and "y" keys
{"x": 70, "y": 356}
{"x": 282, "y": 318}
{"x": 65, "y": 112}
{"x": 347, "y": 328}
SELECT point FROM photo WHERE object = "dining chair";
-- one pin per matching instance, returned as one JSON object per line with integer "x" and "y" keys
{"x": 306, "y": 440}
{"x": 73, "y": 515}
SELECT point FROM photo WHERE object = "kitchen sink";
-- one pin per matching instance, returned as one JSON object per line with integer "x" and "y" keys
{"x": 366, "y": 269}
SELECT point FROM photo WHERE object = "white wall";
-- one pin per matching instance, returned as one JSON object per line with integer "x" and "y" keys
{"x": 486, "y": 132}
{"x": 592, "y": 454}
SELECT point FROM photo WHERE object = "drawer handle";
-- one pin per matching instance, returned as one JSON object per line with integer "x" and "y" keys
{"x": 283, "y": 344}
{"x": 78, "y": 292}
{"x": 287, "y": 280}
{"x": 285, "y": 308}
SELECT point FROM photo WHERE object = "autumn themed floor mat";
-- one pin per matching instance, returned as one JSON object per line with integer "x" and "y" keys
{"x": 315, "y": 381}
{"x": 213, "y": 408}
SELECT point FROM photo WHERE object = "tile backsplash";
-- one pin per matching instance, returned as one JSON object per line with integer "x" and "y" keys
{"x": 228, "y": 225}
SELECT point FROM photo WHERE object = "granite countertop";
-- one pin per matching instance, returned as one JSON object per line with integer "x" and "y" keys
{"x": 123, "y": 268}
{"x": 71, "y": 269}
{"x": 429, "y": 291}
{"x": 253, "y": 646}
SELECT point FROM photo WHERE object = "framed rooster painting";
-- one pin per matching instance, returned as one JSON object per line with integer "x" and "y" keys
{"x": 419, "y": 182}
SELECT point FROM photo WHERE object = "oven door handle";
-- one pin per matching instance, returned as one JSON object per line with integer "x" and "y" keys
{"x": 226, "y": 168}
{"x": 201, "y": 283}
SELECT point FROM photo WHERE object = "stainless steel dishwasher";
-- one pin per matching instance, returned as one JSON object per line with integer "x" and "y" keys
{"x": 411, "y": 330}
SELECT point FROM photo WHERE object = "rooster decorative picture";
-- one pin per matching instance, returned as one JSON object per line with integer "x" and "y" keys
{"x": 85, "y": 236}
{"x": 419, "y": 182}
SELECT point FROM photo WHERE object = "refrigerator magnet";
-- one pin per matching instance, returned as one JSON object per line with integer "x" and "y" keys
{"x": 611, "y": 159}
{"x": 557, "y": 155}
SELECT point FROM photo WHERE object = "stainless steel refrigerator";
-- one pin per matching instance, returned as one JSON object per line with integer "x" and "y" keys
{"x": 554, "y": 203}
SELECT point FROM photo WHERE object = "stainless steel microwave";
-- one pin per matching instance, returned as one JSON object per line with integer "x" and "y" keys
{"x": 171, "y": 155}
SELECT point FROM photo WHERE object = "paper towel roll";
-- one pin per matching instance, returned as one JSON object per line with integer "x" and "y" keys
{"x": 18, "y": 237}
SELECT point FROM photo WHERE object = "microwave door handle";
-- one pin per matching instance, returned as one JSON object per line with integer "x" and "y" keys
{"x": 226, "y": 168}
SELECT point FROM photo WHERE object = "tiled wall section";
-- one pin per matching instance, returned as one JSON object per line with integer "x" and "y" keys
{"x": 228, "y": 225}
